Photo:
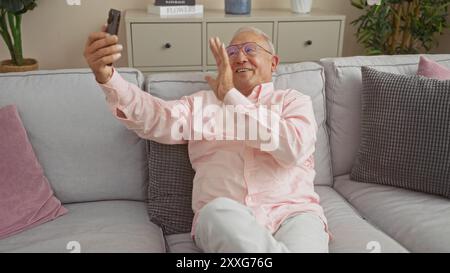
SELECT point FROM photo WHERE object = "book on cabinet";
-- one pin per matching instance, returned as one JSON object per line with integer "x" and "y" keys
{"x": 174, "y": 2}
{"x": 163, "y": 11}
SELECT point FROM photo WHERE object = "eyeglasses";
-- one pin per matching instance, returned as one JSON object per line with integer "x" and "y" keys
{"x": 250, "y": 49}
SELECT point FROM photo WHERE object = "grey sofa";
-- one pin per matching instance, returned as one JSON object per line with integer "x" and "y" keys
{"x": 98, "y": 168}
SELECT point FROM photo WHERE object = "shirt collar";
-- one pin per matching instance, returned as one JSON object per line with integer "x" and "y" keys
{"x": 261, "y": 90}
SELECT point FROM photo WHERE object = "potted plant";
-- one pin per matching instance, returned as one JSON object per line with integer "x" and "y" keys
{"x": 11, "y": 12}
{"x": 400, "y": 26}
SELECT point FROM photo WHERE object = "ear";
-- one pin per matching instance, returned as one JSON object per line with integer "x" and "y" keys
{"x": 275, "y": 62}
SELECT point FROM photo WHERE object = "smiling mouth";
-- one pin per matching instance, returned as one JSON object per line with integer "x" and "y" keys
{"x": 243, "y": 70}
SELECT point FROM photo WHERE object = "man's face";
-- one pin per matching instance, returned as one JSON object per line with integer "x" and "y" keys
{"x": 250, "y": 71}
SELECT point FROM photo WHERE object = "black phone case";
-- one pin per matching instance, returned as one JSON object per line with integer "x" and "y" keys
{"x": 113, "y": 22}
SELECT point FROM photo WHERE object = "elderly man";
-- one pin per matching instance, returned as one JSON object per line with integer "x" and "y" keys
{"x": 246, "y": 197}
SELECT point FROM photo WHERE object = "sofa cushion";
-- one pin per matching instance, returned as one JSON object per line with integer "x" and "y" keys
{"x": 405, "y": 125}
{"x": 169, "y": 202}
{"x": 309, "y": 78}
{"x": 85, "y": 152}
{"x": 351, "y": 233}
{"x": 418, "y": 221}
{"x": 105, "y": 226}
{"x": 170, "y": 187}
{"x": 26, "y": 199}
{"x": 343, "y": 90}
{"x": 431, "y": 69}
{"x": 181, "y": 243}
{"x": 170, "y": 192}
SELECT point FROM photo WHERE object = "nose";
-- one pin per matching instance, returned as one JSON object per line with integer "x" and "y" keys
{"x": 241, "y": 57}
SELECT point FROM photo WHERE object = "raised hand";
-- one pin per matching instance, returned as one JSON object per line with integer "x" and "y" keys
{"x": 224, "y": 81}
{"x": 101, "y": 49}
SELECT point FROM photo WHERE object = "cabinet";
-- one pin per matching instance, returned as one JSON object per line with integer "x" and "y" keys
{"x": 163, "y": 44}
{"x": 181, "y": 43}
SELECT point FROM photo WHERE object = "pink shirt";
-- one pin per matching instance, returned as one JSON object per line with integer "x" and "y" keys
{"x": 275, "y": 181}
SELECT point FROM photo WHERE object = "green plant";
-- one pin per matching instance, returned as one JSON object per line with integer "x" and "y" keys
{"x": 400, "y": 26}
{"x": 11, "y": 12}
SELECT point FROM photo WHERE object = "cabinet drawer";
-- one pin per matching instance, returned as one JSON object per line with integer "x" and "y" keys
{"x": 225, "y": 32}
{"x": 308, "y": 41}
{"x": 161, "y": 44}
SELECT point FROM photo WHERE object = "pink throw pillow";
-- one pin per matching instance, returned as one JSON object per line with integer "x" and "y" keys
{"x": 26, "y": 199}
{"x": 431, "y": 69}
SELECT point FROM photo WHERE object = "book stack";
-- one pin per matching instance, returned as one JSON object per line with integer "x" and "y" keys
{"x": 167, "y": 8}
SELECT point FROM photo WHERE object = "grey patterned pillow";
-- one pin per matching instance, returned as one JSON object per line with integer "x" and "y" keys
{"x": 171, "y": 175}
{"x": 405, "y": 132}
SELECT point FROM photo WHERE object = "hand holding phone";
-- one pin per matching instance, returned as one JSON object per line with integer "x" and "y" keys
{"x": 102, "y": 50}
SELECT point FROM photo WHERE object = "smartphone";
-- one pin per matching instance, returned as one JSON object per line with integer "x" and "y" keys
{"x": 113, "y": 22}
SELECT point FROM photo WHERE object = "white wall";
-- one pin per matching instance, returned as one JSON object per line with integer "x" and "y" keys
{"x": 55, "y": 33}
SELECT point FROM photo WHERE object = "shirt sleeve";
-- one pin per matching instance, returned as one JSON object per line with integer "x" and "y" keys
{"x": 287, "y": 131}
{"x": 150, "y": 117}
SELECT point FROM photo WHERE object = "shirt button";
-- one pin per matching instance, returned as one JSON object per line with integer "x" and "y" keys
{"x": 248, "y": 199}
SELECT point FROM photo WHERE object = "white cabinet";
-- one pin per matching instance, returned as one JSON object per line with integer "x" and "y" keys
{"x": 162, "y": 44}
{"x": 308, "y": 41}
{"x": 181, "y": 43}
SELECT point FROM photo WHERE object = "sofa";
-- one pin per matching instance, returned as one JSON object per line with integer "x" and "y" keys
{"x": 100, "y": 170}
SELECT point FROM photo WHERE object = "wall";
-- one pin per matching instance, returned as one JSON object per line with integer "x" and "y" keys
{"x": 55, "y": 33}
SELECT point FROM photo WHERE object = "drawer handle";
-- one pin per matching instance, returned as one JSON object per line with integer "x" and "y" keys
{"x": 168, "y": 45}
{"x": 308, "y": 43}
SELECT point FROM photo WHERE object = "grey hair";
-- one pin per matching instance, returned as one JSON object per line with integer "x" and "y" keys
{"x": 257, "y": 32}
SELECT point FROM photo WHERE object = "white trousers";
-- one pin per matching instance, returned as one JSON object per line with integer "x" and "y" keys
{"x": 226, "y": 226}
